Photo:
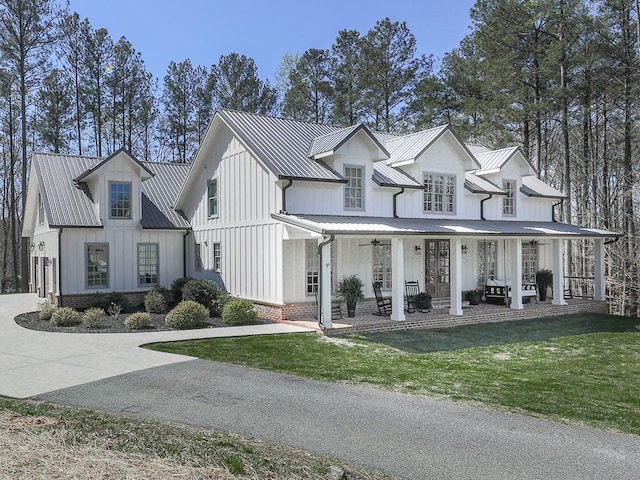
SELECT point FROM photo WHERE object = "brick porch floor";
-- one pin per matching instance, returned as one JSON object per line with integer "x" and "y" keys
{"x": 439, "y": 317}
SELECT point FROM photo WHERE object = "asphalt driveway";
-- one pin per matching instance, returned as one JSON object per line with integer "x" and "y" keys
{"x": 413, "y": 437}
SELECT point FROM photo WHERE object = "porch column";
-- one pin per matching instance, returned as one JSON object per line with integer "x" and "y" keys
{"x": 397, "y": 279}
{"x": 516, "y": 274}
{"x": 558, "y": 272}
{"x": 325, "y": 287}
{"x": 455, "y": 272}
{"x": 598, "y": 270}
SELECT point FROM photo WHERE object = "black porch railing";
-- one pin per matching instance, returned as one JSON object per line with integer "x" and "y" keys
{"x": 579, "y": 287}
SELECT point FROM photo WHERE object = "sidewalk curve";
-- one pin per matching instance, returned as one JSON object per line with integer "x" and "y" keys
{"x": 34, "y": 362}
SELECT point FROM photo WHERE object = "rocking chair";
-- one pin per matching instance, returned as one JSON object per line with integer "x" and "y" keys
{"x": 384, "y": 304}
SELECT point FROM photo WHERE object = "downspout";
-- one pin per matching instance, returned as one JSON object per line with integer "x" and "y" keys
{"x": 184, "y": 252}
{"x": 320, "y": 292}
{"x": 284, "y": 195}
{"x": 60, "y": 303}
{"x": 395, "y": 206}
{"x": 482, "y": 205}
{"x": 553, "y": 210}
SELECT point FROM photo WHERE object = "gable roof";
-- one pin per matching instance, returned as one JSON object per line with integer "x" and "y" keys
{"x": 492, "y": 161}
{"x": 144, "y": 171}
{"x": 476, "y": 184}
{"x": 406, "y": 148}
{"x": 387, "y": 176}
{"x": 72, "y": 206}
{"x": 328, "y": 144}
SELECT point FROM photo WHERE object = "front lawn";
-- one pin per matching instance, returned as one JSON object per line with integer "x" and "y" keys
{"x": 582, "y": 368}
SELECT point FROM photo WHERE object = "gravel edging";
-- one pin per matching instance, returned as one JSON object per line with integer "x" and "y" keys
{"x": 109, "y": 324}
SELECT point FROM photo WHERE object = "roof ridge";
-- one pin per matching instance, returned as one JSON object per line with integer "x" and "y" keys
{"x": 274, "y": 117}
{"x": 412, "y": 134}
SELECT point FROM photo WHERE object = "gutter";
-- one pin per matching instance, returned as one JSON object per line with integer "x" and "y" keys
{"x": 59, "y": 272}
{"x": 395, "y": 198}
{"x": 553, "y": 211}
{"x": 184, "y": 252}
{"x": 284, "y": 195}
{"x": 332, "y": 237}
{"x": 482, "y": 205}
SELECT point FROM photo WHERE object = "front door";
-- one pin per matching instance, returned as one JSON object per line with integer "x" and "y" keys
{"x": 436, "y": 267}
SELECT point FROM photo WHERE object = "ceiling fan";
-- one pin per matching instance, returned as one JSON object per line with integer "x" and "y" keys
{"x": 374, "y": 243}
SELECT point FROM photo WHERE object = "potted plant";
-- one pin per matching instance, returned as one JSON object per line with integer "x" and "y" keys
{"x": 422, "y": 301}
{"x": 474, "y": 297}
{"x": 544, "y": 279}
{"x": 350, "y": 289}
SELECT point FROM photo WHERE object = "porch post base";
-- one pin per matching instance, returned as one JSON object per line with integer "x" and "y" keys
{"x": 560, "y": 302}
{"x": 456, "y": 312}
{"x": 396, "y": 318}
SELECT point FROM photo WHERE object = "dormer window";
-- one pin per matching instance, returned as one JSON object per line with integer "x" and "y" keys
{"x": 354, "y": 189}
{"x": 120, "y": 200}
{"x": 439, "y": 193}
{"x": 509, "y": 200}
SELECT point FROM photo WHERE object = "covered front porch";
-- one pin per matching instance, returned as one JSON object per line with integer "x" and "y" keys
{"x": 458, "y": 255}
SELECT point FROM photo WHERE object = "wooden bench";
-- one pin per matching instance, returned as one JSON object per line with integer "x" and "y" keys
{"x": 498, "y": 293}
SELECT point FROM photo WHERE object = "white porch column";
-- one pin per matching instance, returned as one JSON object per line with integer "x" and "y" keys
{"x": 516, "y": 274}
{"x": 558, "y": 272}
{"x": 397, "y": 279}
{"x": 598, "y": 270}
{"x": 455, "y": 272}
{"x": 325, "y": 288}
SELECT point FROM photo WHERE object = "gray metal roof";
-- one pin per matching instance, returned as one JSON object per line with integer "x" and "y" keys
{"x": 84, "y": 175}
{"x": 409, "y": 147}
{"x": 69, "y": 204}
{"x": 282, "y": 144}
{"x": 387, "y": 176}
{"x": 534, "y": 187}
{"x": 495, "y": 159}
{"x": 342, "y": 225}
{"x": 476, "y": 184}
{"x": 329, "y": 143}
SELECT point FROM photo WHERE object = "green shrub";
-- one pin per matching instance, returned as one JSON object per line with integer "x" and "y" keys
{"x": 218, "y": 303}
{"x": 104, "y": 301}
{"x": 138, "y": 320}
{"x": 239, "y": 311}
{"x": 46, "y": 310}
{"x": 187, "y": 314}
{"x": 205, "y": 292}
{"x": 155, "y": 302}
{"x": 176, "y": 288}
{"x": 65, "y": 317}
{"x": 92, "y": 318}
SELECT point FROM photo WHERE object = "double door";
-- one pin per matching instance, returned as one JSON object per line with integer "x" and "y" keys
{"x": 437, "y": 261}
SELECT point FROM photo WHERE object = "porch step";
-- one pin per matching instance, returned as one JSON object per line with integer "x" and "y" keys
{"x": 437, "y": 303}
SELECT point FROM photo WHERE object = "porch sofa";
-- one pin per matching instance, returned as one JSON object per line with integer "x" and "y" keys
{"x": 494, "y": 292}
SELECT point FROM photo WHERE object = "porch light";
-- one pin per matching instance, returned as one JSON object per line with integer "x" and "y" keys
{"x": 32, "y": 247}
{"x": 418, "y": 249}
{"x": 464, "y": 249}
{"x": 41, "y": 246}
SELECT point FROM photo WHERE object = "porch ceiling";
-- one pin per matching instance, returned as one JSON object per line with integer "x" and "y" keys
{"x": 344, "y": 225}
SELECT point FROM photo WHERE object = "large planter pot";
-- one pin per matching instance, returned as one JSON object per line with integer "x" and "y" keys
{"x": 422, "y": 301}
{"x": 542, "y": 292}
{"x": 351, "y": 309}
{"x": 474, "y": 298}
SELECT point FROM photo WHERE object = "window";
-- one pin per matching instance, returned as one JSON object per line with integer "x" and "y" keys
{"x": 198, "y": 256}
{"x": 529, "y": 262}
{"x": 217, "y": 256}
{"x": 120, "y": 199}
{"x": 439, "y": 193}
{"x": 97, "y": 265}
{"x": 487, "y": 254}
{"x": 353, "y": 190}
{"x": 509, "y": 200}
{"x": 212, "y": 195}
{"x": 40, "y": 210}
{"x": 382, "y": 265}
{"x": 312, "y": 266}
{"x": 147, "y": 264}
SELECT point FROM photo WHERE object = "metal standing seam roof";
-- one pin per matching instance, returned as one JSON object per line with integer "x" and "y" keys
{"x": 534, "y": 187}
{"x": 336, "y": 224}
{"x": 409, "y": 147}
{"x": 329, "y": 143}
{"x": 282, "y": 144}
{"x": 69, "y": 204}
{"x": 476, "y": 184}
{"x": 387, "y": 176}
{"x": 495, "y": 159}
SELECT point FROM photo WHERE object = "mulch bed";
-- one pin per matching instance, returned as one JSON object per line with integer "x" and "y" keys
{"x": 109, "y": 324}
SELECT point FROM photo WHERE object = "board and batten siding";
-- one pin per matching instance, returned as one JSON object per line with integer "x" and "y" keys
{"x": 250, "y": 240}
{"x": 123, "y": 258}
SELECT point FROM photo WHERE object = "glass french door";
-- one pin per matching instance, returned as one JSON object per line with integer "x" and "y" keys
{"x": 437, "y": 261}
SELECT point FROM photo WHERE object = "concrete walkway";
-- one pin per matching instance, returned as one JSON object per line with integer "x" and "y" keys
{"x": 33, "y": 362}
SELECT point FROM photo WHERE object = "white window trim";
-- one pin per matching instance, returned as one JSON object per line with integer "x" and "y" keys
{"x": 130, "y": 216}
{"x": 157, "y": 282}
{"x": 197, "y": 253}
{"x": 362, "y": 188}
{"x": 424, "y": 193}
{"x": 216, "y": 259}
{"x": 209, "y": 183}
{"x": 86, "y": 265}
{"x": 513, "y": 198}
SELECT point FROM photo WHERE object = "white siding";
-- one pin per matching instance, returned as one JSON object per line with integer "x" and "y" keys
{"x": 123, "y": 257}
{"x": 250, "y": 240}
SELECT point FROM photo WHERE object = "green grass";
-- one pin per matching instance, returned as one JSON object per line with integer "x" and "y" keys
{"x": 581, "y": 368}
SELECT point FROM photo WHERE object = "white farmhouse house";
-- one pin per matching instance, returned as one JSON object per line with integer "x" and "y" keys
{"x": 278, "y": 210}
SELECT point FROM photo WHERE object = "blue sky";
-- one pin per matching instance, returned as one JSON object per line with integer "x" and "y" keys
{"x": 202, "y": 30}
